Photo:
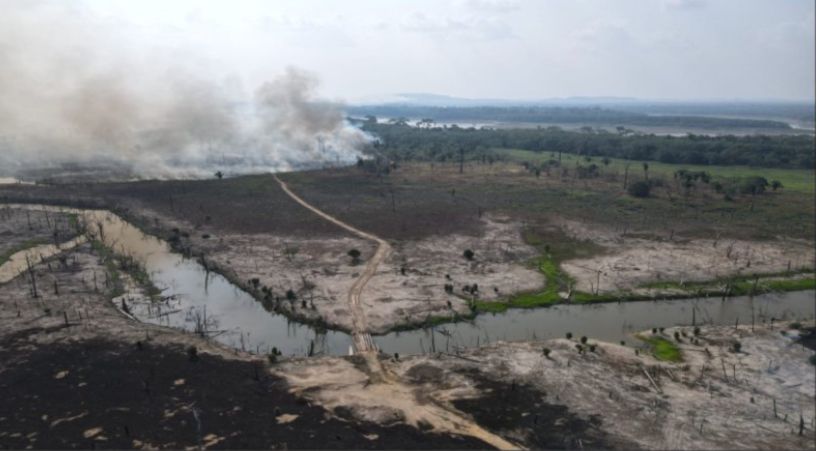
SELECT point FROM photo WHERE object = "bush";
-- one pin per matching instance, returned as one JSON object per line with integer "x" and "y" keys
{"x": 569, "y": 335}
{"x": 355, "y": 256}
{"x": 546, "y": 352}
{"x": 754, "y": 185}
{"x": 639, "y": 189}
{"x": 736, "y": 347}
{"x": 469, "y": 254}
{"x": 583, "y": 339}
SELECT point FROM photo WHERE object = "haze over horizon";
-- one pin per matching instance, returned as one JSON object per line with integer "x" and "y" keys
{"x": 502, "y": 49}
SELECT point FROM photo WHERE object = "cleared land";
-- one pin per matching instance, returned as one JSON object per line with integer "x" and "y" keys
{"x": 110, "y": 381}
{"x": 77, "y": 372}
{"x": 560, "y": 393}
{"x": 536, "y": 239}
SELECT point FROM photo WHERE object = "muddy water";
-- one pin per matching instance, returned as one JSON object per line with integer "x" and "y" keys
{"x": 231, "y": 316}
{"x": 606, "y": 322}
{"x": 195, "y": 300}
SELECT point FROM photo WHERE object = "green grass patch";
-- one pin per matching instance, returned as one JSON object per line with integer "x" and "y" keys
{"x": 741, "y": 286}
{"x": 663, "y": 349}
{"x": 555, "y": 279}
{"x": 115, "y": 265}
{"x": 799, "y": 180}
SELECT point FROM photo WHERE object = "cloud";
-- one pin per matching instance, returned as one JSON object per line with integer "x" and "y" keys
{"x": 491, "y": 6}
{"x": 467, "y": 27}
{"x": 684, "y": 4}
{"x": 601, "y": 35}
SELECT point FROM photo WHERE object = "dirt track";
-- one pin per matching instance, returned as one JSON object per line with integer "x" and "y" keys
{"x": 360, "y": 335}
{"x": 443, "y": 418}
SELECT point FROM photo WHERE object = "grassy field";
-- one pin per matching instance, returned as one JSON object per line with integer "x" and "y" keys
{"x": 663, "y": 349}
{"x": 800, "y": 180}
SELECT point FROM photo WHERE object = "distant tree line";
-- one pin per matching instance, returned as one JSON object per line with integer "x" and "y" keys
{"x": 561, "y": 115}
{"x": 398, "y": 141}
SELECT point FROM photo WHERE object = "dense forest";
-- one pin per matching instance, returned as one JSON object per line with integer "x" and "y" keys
{"x": 561, "y": 115}
{"x": 400, "y": 141}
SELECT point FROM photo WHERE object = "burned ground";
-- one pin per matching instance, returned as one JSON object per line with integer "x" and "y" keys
{"x": 249, "y": 204}
{"x": 529, "y": 415}
{"x": 40, "y": 227}
{"x": 452, "y": 200}
{"x": 77, "y": 373}
{"x": 107, "y": 394}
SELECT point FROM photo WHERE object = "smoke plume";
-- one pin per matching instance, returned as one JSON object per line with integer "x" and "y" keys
{"x": 74, "y": 91}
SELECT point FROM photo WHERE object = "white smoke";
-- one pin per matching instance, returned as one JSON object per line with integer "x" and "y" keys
{"x": 72, "y": 90}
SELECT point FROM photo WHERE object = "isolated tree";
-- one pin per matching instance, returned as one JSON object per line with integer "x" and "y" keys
{"x": 754, "y": 186}
{"x": 469, "y": 254}
{"x": 355, "y": 256}
{"x": 605, "y": 161}
{"x": 776, "y": 184}
{"x": 219, "y": 174}
{"x": 646, "y": 170}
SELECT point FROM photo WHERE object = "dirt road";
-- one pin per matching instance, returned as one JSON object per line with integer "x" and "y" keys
{"x": 388, "y": 388}
{"x": 360, "y": 336}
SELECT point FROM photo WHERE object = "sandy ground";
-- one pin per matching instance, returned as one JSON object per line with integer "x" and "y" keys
{"x": 633, "y": 260}
{"x": 395, "y": 296}
{"x": 408, "y": 287}
{"x": 612, "y": 397}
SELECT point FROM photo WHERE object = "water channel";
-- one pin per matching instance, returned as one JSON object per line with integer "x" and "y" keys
{"x": 235, "y": 318}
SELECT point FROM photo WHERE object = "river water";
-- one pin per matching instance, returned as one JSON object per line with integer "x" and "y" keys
{"x": 206, "y": 302}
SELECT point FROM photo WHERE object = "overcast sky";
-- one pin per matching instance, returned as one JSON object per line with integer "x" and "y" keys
{"x": 368, "y": 49}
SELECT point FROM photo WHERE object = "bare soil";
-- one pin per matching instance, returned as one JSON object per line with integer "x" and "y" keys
{"x": 408, "y": 287}
{"x": 631, "y": 260}
{"x": 612, "y": 397}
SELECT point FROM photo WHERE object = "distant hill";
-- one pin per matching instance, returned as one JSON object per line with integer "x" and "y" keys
{"x": 420, "y": 105}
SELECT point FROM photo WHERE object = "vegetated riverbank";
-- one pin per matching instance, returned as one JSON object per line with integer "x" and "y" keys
{"x": 199, "y": 300}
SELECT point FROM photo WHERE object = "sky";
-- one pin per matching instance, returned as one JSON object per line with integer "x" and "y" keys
{"x": 368, "y": 50}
